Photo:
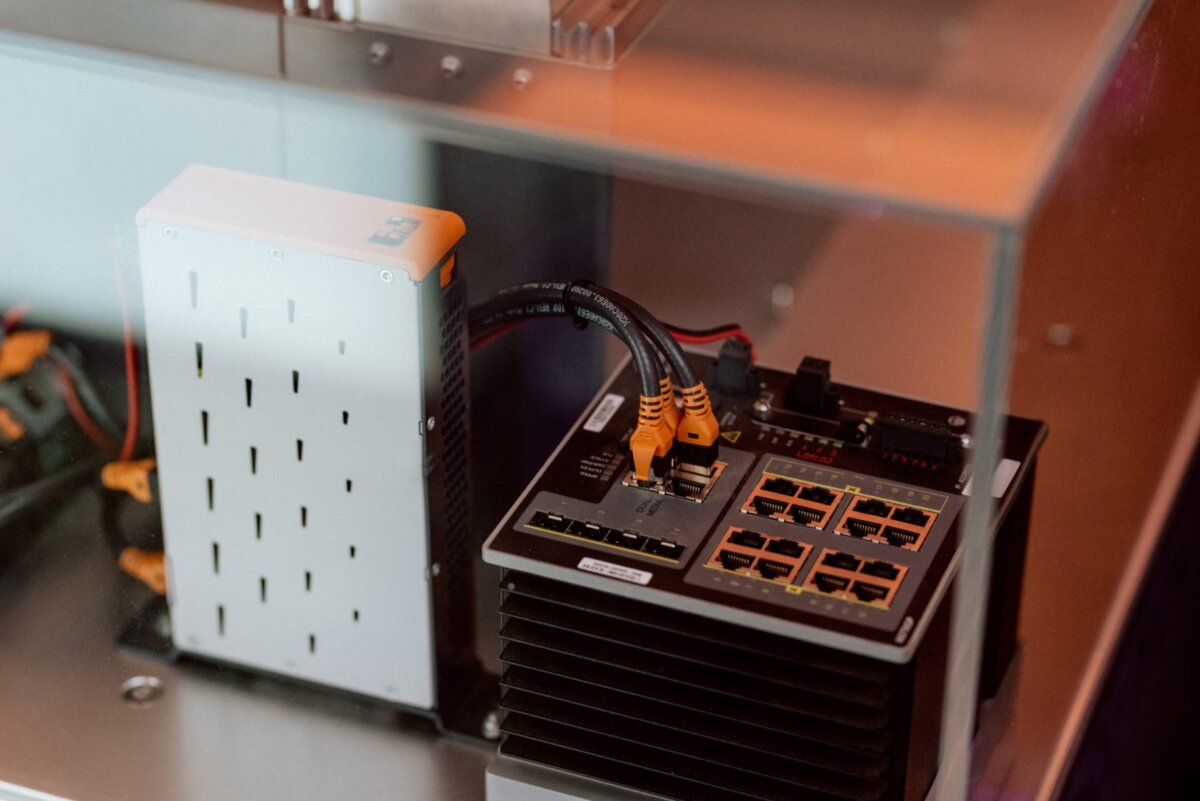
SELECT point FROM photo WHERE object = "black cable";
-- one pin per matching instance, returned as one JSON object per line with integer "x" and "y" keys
{"x": 716, "y": 330}
{"x": 540, "y": 299}
{"x": 659, "y": 334}
{"x": 17, "y": 502}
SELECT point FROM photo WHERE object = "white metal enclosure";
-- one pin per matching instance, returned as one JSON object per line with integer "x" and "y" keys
{"x": 286, "y": 377}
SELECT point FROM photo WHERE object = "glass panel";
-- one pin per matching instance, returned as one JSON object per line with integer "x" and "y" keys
{"x": 955, "y": 107}
{"x": 847, "y": 180}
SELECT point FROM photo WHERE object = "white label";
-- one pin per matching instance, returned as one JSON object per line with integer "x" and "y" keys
{"x": 1000, "y": 479}
{"x": 615, "y": 571}
{"x": 604, "y": 412}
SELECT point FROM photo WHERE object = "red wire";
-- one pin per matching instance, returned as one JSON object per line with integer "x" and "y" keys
{"x": 14, "y": 316}
{"x": 80, "y": 415}
{"x": 131, "y": 376}
{"x": 491, "y": 336}
{"x": 729, "y": 333}
{"x": 735, "y": 332}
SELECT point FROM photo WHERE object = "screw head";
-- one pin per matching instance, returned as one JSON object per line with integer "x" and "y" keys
{"x": 379, "y": 53}
{"x": 957, "y": 420}
{"x": 1060, "y": 335}
{"x": 762, "y": 409}
{"x": 276, "y": 253}
{"x": 490, "y": 728}
{"x": 522, "y": 78}
{"x": 141, "y": 690}
{"x": 452, "y": 67}
{"x": 386, "y": 276}
{"x": 783, "y": 297}
{"x": 429, "y": 424}
{"x": 169, "y": 233}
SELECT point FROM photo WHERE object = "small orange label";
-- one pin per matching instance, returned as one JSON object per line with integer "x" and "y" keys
{"x": 10, "y": 427}
{"x": 130, "y": 477}
{"x": 19, "y": 351}
{"x": 447, "y": 271}
{"x": 144, "y": 566}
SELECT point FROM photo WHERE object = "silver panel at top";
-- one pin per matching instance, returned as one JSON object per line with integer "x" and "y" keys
{"x": 522, "y": 25}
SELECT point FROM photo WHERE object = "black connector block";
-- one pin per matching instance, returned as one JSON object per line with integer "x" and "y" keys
{"x": 810, "y": 392}
{"x": 917, "y": 441}
{"x": 733, "y": 372}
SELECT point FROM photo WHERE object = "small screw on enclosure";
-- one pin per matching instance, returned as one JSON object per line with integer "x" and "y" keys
{"x": 141, "y": 690}
{"x": 452, "y": 66}
{"x": 379, "y": 53}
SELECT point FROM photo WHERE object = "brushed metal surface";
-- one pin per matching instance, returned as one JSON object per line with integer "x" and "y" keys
{"x": 213, "y": 734}
{"x": 512, "y": 24}
{"x": 235, "y": 35}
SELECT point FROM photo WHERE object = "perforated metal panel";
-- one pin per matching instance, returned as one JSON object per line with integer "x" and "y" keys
{"x": 287, "y": 399}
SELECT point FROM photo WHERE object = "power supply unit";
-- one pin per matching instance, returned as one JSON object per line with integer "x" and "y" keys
{"x": 308, "y": 375}
{"x": 776, "y": 629}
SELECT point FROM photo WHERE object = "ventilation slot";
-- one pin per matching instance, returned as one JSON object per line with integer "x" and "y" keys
{"x": 221, "y": 620}
{"x": 253, "y": 460}
{"x": 204, "y": 426}
{"x": 258, "y": 525}
{"x": 450, "y": 445}
{"x": 193, "y": 283}
{"x": 249, "y": 392}
{"x": 295, "y": 382}
{"x": 262, "y": 589}
{"x": 308, "y": 581}
{"x": 299, "y": 450}
{"x": 341, "y": 347}
{"x": 291, "y": 310}
{"x": 244, "y": 315}
{"x": 216, "y": 551}
{"x": 303, "y": 517}
{"x": 199, "y": 360}
{"x": 345, "y": 418}
{"x": 687, "y": 707}
{"x": 209, "y": 482}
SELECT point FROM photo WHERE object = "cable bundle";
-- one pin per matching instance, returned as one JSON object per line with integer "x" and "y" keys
{"x": 664, "y": 436}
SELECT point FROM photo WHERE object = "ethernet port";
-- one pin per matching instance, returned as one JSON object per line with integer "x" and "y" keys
{"x": 551, "y": 522}
{"x": 769, "y": 569}
{"x": 747, "y": 539}
{"x": 899, "y": 537}
{"x": 805, "y": 516}
{"x": 731, "y": 560}
{"x": 625, "y": 539}
{"x": 913, "y": 517}
{"x": 883, "y": 570}
{"x": 687, "y": 488}
{"x": 590, "y": 531}
{"x": 843, "y": 561}
{"x": 829, "y": 583}
{"x": 861, "y": 528}
{"x": 767, "y": 507}
{"x": 871, "y": 506}
{"x": 869, "y": 592}
{"x": 780, "y": 486}
{"x": 666, "y": 548}
{"x": 818, "y": 495}
{"x": 792, "y": 550}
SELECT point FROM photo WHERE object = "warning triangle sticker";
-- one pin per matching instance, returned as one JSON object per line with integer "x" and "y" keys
{"x": 732, "y": 436}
